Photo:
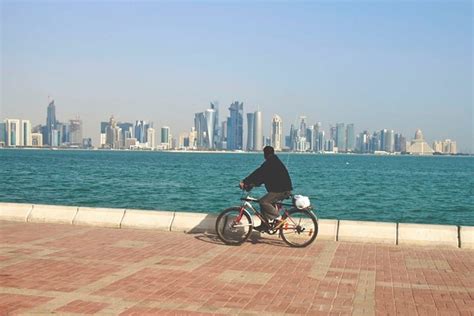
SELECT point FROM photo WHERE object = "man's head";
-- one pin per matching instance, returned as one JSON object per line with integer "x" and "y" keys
{"x": 268, "y": 151}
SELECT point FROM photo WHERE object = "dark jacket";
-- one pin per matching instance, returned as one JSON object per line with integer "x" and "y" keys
{"x": 273, "y": 174}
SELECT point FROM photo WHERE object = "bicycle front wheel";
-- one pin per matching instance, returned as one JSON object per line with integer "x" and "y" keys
{"x": 232, "y": 227}
{"x": 300, "y": 228}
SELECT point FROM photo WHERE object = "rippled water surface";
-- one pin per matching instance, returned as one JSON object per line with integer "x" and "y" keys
{"x": 377, "y": 188}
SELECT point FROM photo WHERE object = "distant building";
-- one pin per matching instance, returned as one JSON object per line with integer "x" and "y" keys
{"x": 25, "y": 133}
{"x": 350, "y": 138}
{"x": 215, "y": 126}
{"x": 250, "y": 130}
{"x": 165, "y": 137}
{"x": 183, "y": 141}
{"x": 126, "y": 131}
{"x": 151, "y": 138}
{"x": 277, "y": 133}
{"x": 321, "y": 141}
{"x": 192, "y": 138}
{"x": 141, "y": 128}
{"x": 103, "y": 133}
{"x": 210, "y": 115}
{"x": 200, "y": 126}
{"x": 131, "y": 143}
{"x": 13, "y": 137}
{"x": 87, "y": 143}
{"x": 36, "y": 139}
{"x": 419, "y": 146}
{"x": 113, "y": 134}
{"x": 51, "y": 125}
{"x": 340, "y": 137}
{"x": 389, "y": 141}
{"x": 235, "y": 126}
{"x": 75, "y": 132}
{"x": 258, "y": 131}
{"x": 400, "y": 143}
{"x": 445, "y": 147}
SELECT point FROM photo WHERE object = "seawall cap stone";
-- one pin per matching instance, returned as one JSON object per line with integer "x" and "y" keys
{"x": 52, "y": 214}
{"x": 427, "y": 235}
{"x": 327, "y": 229}
{"x": 15, "y": 211}
{"x": 105, "y": 217}
{"x": 194, "y": 222}
{"x": 467, "y": 237}
{"x": 361, "y": 231}
{"x": 158, "y": 220}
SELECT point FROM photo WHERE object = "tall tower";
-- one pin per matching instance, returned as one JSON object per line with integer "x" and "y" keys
{"x": 235, "y": 126}
{"x": 13, "y": 132}
{"x": 216, "y": 128}
{"x": 340, "y": 137}
{"x": 151, "y": 138}
{"x": 250, "y": 130}
{"x": 350, "y": 137}
{"x": 51, "y": 122}
{"x": 210, "y": 115}
{"x": 25, "y": 133}
{"x": 257, "y": 131}
{"x": 277, "y": 132}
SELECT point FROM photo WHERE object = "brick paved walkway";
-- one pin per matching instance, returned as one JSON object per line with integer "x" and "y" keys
{"x": 66, "y": 269}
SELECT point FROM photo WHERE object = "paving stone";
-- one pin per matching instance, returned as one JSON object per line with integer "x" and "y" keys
{"x": 65, "y": 269}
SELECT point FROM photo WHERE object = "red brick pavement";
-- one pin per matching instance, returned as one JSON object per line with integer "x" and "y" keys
{"x": 61, "y": 269}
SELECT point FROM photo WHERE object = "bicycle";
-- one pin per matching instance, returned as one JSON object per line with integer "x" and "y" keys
{"x": 297, "y": 227}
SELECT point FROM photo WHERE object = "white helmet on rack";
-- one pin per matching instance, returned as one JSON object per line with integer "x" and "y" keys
{"x": 301, "y": 202}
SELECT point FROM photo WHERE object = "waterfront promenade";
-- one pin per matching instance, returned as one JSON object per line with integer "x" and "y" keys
{"x": 65, "y": 269}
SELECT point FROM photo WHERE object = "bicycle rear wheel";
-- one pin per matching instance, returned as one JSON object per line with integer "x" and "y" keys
{"x": 231, "y": 229}
{"x": 300, "y": 228}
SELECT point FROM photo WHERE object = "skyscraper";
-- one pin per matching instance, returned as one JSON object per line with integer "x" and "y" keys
{"x": 151, "y": 138}
{"x": 321, "y": 141}
{"x": 340, "y": 137}
{"x": 350, "y": 138}
{"x": 126, "y": 131}
{"x": 310, "y": 138}
{"x": 141, "y": 128}
{"x": 25, "y": 133}
{"x": 113, "y": 134}
{"x": 210, "y": 115}
{"x": 315, "y": 146}
{"x": 293, "y": 137}
{"x": 257, "y": 131}
{"x": 103, "y": 133}
{"x": 235, "y": 126}
{"x": 389, "y": 141}
{"x": 13, "y": 132}
{"x": 250, "y": 130}
{"x": 51, "y": 123}
{"x": 200, "y": 127}
{"x": 165, "y": 137}
{"x": 277, "y": 133}
{"x": 75, "y": 132}
{"x": 216, "y": 128}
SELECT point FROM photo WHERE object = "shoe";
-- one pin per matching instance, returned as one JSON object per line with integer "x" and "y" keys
{"x": 261, "y": 228}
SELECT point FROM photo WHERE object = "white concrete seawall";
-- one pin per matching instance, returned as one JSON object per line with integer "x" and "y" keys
{"x": 337, "y": 230}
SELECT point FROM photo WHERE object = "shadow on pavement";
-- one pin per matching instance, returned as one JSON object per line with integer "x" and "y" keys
{"x": 255, "y": 238}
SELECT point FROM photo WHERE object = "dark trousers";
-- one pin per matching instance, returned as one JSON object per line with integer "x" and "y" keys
{"x": 266, "y": 203}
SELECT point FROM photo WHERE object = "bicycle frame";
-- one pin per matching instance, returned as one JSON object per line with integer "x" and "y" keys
{"x": 247, "y": 205}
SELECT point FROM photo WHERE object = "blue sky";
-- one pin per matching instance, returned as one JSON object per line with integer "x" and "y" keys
{"x": 400, "y": 65}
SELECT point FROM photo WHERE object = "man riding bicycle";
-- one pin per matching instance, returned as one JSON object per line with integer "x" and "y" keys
{"x": 274, "y": 175}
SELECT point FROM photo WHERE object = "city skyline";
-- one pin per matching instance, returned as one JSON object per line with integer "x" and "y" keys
{"x": 208, "y": 134}
{"x": 327, "y": 61}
